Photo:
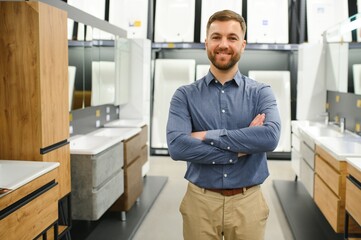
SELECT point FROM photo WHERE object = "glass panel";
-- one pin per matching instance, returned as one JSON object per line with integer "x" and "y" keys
{"x": 103, "y": 68}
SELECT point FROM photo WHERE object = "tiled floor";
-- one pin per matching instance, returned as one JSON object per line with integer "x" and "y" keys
{"x": 164, "y": 220}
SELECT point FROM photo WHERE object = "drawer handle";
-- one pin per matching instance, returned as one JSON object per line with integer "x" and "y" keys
{"x": 54, "y": 146}
{"x": 25, "y": 200}
{"x": 354, "y": 181}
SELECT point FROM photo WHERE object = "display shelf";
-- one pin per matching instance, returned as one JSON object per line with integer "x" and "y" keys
{"x": 74, "y": 43}
{"x": 252, "y": 46}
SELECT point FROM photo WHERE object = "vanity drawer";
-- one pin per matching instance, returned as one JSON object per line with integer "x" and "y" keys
{"x": 144, "y": 155}
{"x": 30, "y": 220}
{"x": 132, "y": 148}
{"x": 133, "y": 187}
{"x": 91, "y": 171}
{"x": 308, "y": 154}
{"x": 330, "y": 176}
{"x": 307, "y": 176}
{"x": 353, "y": 197}
{"x": 296, "y": 143}
{"x": 329, "y": 204}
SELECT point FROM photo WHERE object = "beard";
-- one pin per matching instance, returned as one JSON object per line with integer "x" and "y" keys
{"x": 222, "y": 65}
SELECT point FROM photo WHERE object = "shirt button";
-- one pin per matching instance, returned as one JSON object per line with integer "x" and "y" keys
{"x": 216, "y": 81}
{"x": 228, "y": 148}
{"x": 223, "y": 111}
{"x": 222, "y": 91}
{"x": 230, "y": 160}
{"x": 225, "y": 175}
{"x": 212, "y": 143}
{"x": 213, "y": 162}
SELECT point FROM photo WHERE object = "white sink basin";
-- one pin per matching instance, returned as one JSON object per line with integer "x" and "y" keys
{"x": 122, "y": 133}
{"x": 342, "y": 147}
{"x": 15, "y": 174}
{"x": 90, "y": 144}
{"x": 121, "y": 123}
{"x": 323, "y": 132}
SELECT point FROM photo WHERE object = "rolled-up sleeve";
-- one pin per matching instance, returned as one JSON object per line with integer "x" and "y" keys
{"x": 182, "y": 146}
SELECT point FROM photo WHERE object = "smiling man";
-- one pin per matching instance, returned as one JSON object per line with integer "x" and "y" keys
{"x": 222, "y": 125}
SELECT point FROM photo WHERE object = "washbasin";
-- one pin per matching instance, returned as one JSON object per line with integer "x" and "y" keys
{"x": 90, "y": 144}
{"x": 124, "y": 123}
{"x": 122, "y": 133}
{"x": 324, "y": 132}
{"x": 342, "y": 147}
{"x": 15, "y": 174}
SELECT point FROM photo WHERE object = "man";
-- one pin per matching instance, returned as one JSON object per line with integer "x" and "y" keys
{"x": 223, "y": 125}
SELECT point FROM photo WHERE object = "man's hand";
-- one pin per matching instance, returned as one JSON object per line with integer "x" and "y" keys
{"x": 258, "y": 120}
{"x": 199, "y": 135}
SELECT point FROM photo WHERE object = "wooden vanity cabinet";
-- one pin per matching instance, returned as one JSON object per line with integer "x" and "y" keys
{"x": 135, "y": 155}
{"x": 353, "y": 193}
{"x": 31, "y": 209}
{"x": 330, "y": 189}
{"x": 34, "y": 85}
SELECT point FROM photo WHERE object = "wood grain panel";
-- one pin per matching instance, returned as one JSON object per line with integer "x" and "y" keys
{"x": 133, "y": 187}
{"x": 30, "y": 220}
{"x": 132, "y": 148}
{"x": 340, "y": 166}
{"x": 54, "y": 83}
{"x": 330, "y": 176}
{"x": 28, "y": 188}
{"x": 329, "y": 204}
{"x": 61, "y": 155}
{"x": 353, "y": 197}
{"x": 19, "y": 85}
{"x": 354, "y": 172}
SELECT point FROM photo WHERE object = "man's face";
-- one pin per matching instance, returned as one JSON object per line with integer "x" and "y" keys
{"x": 225, "y": 44}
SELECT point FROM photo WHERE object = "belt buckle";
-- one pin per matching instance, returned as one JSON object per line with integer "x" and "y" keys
{"x": 230, "y": 192}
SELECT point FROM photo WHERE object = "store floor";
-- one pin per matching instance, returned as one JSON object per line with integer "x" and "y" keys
{"x": 165, "y": 222}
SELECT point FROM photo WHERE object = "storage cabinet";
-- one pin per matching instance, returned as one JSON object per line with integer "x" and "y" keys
{"x": 34, "y": 86}
{"x": 353, "y": 196}
{"x": 330, "y": 189}
{"x": 31, "y": 209}
{"x": 97, "y": 182}
{"x": 307, "y": 163}
{"x": 135, "y": 155}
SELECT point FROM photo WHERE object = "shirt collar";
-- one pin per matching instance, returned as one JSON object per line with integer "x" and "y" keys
{"x": 237, "y": 78}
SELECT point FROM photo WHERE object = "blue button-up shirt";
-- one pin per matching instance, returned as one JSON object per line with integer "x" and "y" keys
{"x": 225, "y": 112}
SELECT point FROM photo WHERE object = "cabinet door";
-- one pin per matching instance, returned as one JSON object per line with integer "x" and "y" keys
{"x": 61, "y": 155}
{"x": 34, "y": 97}
{"x": 329, "y": 204}
{"x": 53, "y": 74}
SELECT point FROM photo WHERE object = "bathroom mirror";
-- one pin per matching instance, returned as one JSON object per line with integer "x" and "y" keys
{"x": 343, "y": 59}
{"x": 91, "y": 66}
{"x": 76, "y": 54}
{"x": 103, "y": 68}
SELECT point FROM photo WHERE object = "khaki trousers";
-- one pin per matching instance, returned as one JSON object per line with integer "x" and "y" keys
{"x": 209, "y": 215}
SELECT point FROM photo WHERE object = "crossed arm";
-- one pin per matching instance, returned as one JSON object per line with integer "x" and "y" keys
{"x": 257, "y": 121}
{"x": 219, "y": 146}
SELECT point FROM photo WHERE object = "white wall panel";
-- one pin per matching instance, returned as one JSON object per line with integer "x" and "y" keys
{"x": 130, "y": 15}
{"x": 356, "y": 70}
{"x": 174, "y": 21}
{"x": 280, "y": 82}
{"x": 267, "y": 21}
{"x": 169, "y": 75}
{"x": 211, "y": 6}
{"x": 202, "y": 70}
{"x": 323, "y": 15}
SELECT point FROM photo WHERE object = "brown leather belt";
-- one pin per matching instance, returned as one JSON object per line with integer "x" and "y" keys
{"x": 229, "y": 192}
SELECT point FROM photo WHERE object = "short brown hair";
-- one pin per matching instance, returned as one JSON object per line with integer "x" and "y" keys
{"x": 227, "y": 15}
